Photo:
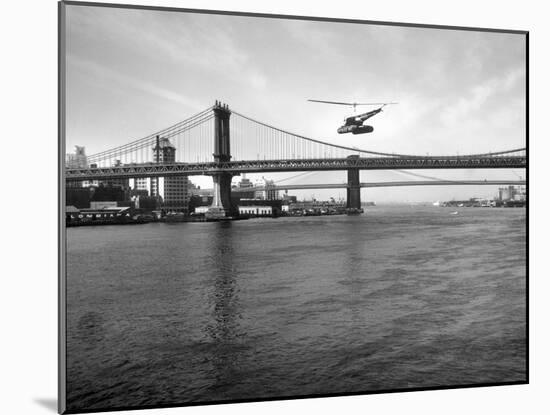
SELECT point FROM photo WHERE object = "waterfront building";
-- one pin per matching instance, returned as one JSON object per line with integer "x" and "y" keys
{"x": 81, "y": 197}
{"x": 516, "y": 193}
{"x": 256, "y": 210}
{"x": 145, "y": 202}
{"x": 317, "y": 205}
{"x": 275, "y": 205}
{"x": 199, "y": 201}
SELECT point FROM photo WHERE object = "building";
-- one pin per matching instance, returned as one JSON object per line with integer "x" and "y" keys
{"x": 269, "y": 192}
{"x": 82, "y": 197}
{"x": 511, "y": 193}
{"x": 239, "y": 190}
{"x": 275, "y": 206}
{"x": 141, "y": 184}
{"x": 78, "y": 160}
{"x": 145, "y": 202}
{"x": 173, "y": 191}
{"x": 244, "y": 184}
{"x": 256, "y": 210}
{"x": 199, "y": 202}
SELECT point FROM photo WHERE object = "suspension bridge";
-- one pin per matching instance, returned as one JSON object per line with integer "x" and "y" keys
{"x": 367, "y": 185}
{"x": 209, "y": 144}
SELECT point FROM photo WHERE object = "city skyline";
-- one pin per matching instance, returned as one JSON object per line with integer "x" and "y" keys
{"x": 462, "y": 92}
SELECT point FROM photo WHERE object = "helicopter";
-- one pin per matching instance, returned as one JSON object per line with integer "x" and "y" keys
{"x": 354, "y": 124}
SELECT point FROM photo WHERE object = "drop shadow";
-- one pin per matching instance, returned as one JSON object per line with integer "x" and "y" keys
{"x": 48, "y": 403}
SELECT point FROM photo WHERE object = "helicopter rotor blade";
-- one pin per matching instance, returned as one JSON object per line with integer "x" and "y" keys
{"x": 376, "y": 103}
{"x": 351, "y": 104}
{"x": 331, "y": 102}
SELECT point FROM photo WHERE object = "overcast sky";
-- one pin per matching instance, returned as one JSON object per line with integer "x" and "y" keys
{"x": 133, "y": 72}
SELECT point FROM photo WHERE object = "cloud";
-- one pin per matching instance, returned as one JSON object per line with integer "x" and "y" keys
{"x": 199, "y": 45}
{"x": 478, "y": 96}
{"x": 99, "y": 73}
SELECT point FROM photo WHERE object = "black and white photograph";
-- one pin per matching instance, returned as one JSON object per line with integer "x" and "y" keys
{"x": 261, "y": 207}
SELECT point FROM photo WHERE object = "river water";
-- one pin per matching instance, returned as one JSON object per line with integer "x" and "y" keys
{"x": 400, "y": 297}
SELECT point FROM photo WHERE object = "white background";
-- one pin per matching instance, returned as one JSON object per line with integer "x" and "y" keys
{"x": 28, "y": 265}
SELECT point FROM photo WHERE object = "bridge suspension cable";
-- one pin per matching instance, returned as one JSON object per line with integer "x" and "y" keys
{"x": 275, "y": 142}
{"x": 188, "y": 147}
{"x": 192, "y": 141}
{"x": 424, "y": 176}
{"x": 307, "y": 173}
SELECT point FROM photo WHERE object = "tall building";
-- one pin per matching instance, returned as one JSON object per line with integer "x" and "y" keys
{"x": 78, "y": 160}
{"x": 270, "y": 192}
{"x": 172, "y": 190}
{"x": 141, "y": 183}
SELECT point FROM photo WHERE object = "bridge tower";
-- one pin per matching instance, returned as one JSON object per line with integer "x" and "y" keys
{"x": 353, "y": 192}
{"x": 221, "y": 203}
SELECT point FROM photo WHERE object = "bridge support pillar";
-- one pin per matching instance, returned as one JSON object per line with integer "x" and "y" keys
{"x": 353, "y": 191}
{"x": 221, "y": 204}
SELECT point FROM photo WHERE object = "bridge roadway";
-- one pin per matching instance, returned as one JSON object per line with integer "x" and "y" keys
{"x": 290, "y": 165}
{"x": 369, "y": 185}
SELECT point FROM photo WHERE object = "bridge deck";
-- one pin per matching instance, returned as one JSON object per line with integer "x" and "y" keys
{"x": 258, "y": 166}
